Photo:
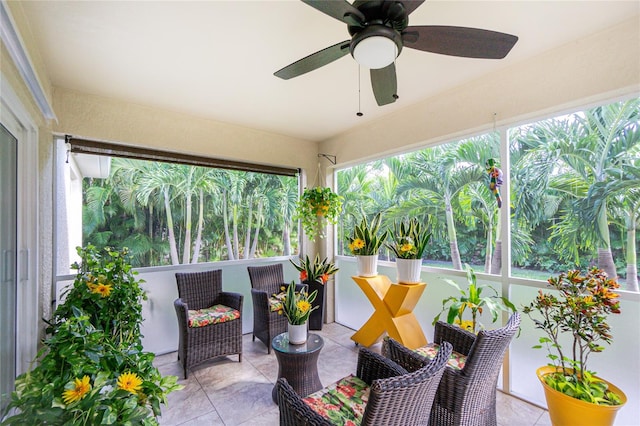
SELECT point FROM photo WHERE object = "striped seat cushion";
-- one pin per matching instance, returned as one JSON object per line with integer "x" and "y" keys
{"x": 275, "y": 302}
{"x": 213, "y": 315}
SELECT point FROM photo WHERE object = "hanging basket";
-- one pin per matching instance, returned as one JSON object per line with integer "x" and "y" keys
{"x": 317, "y": 208}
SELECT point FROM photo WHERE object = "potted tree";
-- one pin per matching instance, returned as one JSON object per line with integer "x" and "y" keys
{"x": 317, "y": 208}
{"x": 577, "y": 309}
{"x": 316, "y": 274}
{"x": 365, "y": 242}
{"x": 473, "y": 299}
{"x": 409, "y": 242}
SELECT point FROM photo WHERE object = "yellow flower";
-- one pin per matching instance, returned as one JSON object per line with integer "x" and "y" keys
{"x": 303, "y": 306}
{"x": 102, "y": 289}
{"x": 358, "y": 243}
{"x": 406, "y": 247}
{"x": 76, "y": 390}
{"x": 129, "y": 382}
{"x": 465, "y": 325}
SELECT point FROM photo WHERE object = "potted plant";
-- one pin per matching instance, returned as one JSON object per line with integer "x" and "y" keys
{"x": 409, "y": 242}
{"x": 296, "y": 306}
{"x": 473, "y": 300}
{"x": 92, "y": 368}
{"x": 578, "y": 309}
{"x": 316, "y": 208}
{"x": 365, "y": 242}
{"x": 316, "y": 274}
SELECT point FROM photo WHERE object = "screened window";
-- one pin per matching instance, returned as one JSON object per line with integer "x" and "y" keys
{"x": 572, "y": 189}
{"x": 167, "y": 211}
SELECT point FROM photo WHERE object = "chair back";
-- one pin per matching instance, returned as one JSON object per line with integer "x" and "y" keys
{"x": 407, "y": 399}
{"x": 268, "y": 278}
{"x": 199, "y": 290}
{"x": 487, "y": 352}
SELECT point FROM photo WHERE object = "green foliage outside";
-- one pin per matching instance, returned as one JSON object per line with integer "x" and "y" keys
{"x": 574, "y": 196}
{"x": 178, "y": 214}
{"x": 92, "y": 369}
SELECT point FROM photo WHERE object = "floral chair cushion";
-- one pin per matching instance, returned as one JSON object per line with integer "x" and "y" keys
{"x": 342, "y": 403}
{"x": 456, "y": 360}
{"x": 213, "y": 315}
{"x": 275, "y": 302}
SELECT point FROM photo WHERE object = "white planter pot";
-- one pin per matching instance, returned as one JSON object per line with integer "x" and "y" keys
{"x": 297, "y": 333}
{"x": 367, "y": 265}
{"x": 408, "y": 270}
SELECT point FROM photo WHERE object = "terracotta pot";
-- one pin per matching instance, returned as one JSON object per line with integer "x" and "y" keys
{"x": 567, "y": 411}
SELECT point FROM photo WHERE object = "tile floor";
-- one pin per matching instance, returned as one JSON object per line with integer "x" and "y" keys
{"x": 225, "y": 392}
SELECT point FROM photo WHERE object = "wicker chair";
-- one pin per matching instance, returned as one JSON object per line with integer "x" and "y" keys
{"x": 396, "y": 398}
{"x": 465, "y": 397}
{"x": 265, "y": 282}
{"x": 198, "y": 291}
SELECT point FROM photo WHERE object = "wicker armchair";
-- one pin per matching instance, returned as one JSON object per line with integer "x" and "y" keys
{"x": 396, "y": 398}
{"x": 465, "y": 397}
{"x": 265, "y": 282}
{"x": 198, "y": 291}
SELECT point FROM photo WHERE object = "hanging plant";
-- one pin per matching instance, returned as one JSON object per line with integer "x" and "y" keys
{"x": 317, "y": 208}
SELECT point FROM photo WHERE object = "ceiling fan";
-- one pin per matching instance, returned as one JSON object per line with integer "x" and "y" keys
{"x": 379, "y": 30}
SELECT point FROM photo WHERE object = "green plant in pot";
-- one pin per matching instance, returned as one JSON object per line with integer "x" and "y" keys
{"x": 409, "y": 241}
{"x": 577, "y": 309}
{"x": 317, "y": 208}
{"x": 474, "y": 301}
{"x": 365, "y": 243}
{"x": 92, "y": 368}
{"x": 315, "y": 274}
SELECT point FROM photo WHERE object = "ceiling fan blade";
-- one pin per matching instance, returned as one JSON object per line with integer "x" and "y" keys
{"x": 384, "y": 84}
{"x": 459, "y": 41}
{"x": 314, "y": 61}
{"x": 338, "y": 9}
{"x": 411, "y": 5}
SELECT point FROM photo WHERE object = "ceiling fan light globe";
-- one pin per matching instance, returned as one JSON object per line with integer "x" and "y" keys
{"x": 375, "y": 52}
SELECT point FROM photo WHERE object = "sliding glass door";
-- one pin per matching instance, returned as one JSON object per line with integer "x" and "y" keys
{"x": 8, "y": 276}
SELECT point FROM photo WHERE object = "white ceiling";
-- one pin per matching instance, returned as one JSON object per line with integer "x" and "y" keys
{"x": 216, "y": 59}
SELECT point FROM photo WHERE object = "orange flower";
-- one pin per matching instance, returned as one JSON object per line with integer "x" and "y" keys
{"x": 324, "y": 278}
{"x": 303, "y": 275}
{"x": 103, "y": 290}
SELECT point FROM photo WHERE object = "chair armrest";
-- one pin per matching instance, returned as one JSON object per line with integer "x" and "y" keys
{"x": 373, "y": 366}
{"x": 403, "y": 356}
{"x": 293, "y": 410}
{"x": 260, "y": 298}
{"x": 462, "y": 340}
{"x": 182, "y": 311}
{"x": 231, "y": 299}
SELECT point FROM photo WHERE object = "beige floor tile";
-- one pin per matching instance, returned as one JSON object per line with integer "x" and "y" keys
{"x": 515, "y": 412}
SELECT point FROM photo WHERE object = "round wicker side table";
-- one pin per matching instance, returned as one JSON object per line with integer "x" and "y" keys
{"x": 298, "y": 363}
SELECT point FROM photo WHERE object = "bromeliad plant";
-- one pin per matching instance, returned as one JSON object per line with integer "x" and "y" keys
{"x": 473, "y": 300}
{"x": 579, "y": 308}
{"x": 296, "y": 306}
{"x": 92, "y": 368}
{"x": 366, "y": 238}
{"x": 409, "y": 239}
{"x": 316, "y": 208}
{"x": 319, "y": 270}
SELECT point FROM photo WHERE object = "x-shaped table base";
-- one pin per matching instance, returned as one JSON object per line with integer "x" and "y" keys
{"x": 394, "y": 304}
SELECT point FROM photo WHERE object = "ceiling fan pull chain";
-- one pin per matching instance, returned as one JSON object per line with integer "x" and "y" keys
{"x": 359, "y": 113}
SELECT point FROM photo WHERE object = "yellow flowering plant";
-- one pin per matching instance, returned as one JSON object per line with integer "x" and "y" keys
{"x": 473, "y": 300}
{"x": 409, "y": 239}
{"x": 317, "y": 208}
{"x": 367, "y": 238}
{"x": 92, "y": 368}
{"x": 296, "y": 306}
